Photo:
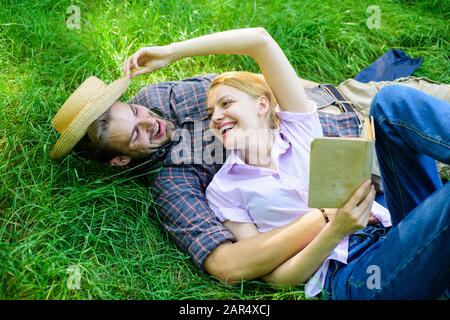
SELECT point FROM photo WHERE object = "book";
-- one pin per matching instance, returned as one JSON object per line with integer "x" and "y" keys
{"x": 338, "y": 166}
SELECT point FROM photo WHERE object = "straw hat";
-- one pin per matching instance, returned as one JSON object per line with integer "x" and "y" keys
{"x": 82, "y": 108}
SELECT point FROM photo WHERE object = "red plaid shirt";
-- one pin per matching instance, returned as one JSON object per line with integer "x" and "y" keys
{"x": 179, "y": 189}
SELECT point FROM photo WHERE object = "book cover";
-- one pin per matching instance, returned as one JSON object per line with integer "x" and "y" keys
{"x": 338, "y": 166}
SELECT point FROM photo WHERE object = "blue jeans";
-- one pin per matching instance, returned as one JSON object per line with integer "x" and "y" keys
{"x": 410, "y": 260}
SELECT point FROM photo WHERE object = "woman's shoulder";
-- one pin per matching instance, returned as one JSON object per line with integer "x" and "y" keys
{"x": 291, "y": 116}
{"x": 301, "y": 125}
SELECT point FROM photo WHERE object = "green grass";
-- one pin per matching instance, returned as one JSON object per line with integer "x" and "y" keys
{"x": 73, "y": 212}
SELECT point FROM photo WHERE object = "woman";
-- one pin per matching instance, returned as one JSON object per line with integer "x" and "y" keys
{"x": 263, "y": 183}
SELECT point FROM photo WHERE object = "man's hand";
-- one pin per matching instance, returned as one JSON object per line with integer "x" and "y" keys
{"x": 147, "y": 60}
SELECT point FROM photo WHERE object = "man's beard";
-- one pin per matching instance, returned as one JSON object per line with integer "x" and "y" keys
{"x": 157, "y": 155}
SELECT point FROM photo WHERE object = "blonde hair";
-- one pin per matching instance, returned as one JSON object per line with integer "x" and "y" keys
{"x": 254, "y": 85}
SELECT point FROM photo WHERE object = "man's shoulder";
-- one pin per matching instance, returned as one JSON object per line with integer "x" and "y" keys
{"x": 193, "y": 88}
{"x": 189, "y": 92}
{"x": 200, "y": 78}
{"x": 162, "y": 87}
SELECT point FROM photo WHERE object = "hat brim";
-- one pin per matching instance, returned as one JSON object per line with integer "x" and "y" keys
{"x": 91, "y": 111}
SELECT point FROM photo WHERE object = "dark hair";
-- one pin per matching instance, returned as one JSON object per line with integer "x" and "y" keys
{"x": 94, "y": 145}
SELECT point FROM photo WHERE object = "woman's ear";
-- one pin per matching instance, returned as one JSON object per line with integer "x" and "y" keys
{"x": 119, "y": 161}
{"x": 264, "y": 105}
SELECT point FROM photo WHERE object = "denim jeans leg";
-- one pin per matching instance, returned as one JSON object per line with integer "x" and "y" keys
{"x": 412, "y": 130}
{"x": 411, "y": 262}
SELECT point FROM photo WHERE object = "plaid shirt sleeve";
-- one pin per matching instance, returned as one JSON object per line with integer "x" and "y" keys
{"x": 185, "y": 213}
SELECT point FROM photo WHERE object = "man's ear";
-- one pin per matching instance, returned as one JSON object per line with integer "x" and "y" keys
{"x": 119, "y": 161}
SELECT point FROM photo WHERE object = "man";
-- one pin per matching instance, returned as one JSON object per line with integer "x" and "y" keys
{"x": 168, "y": 123}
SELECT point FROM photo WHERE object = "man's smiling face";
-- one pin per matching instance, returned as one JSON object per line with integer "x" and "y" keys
{"x": 136, "y": 131}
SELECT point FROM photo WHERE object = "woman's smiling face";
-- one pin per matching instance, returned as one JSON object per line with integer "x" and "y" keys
{"x": 236, "y": 115}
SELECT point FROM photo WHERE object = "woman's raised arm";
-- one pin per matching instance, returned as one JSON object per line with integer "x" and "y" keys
{"x": 254, "y": 42}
